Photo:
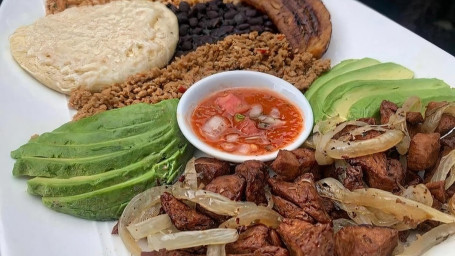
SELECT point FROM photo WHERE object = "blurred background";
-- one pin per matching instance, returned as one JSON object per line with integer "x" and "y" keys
{"x": 433, "y": 20}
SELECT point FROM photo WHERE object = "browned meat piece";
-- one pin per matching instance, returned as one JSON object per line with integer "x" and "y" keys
{"x": 230, "y": 186}
{"x": 423, "y": 151}
{"x": 354, "y": 178}
{"x": 271, "y": 251}
{"x": 210, "y": 168}
{"x": 164, "y": 252}
{"x": 365, "y": 240}
{"x": 427, "y": 225}
{"x": 448, "y": 140}
{"x": 412, "y": 178}
{"x": 286, "y": 165}
{"x": 306, "y": 23}
{"x": 446, "y": 124}
{"x": 275, "y": 238}
{"x": 437, "y": 190}
{"x": 254, "y": 173}
{"x": 290, "y": 210}
{"x": 303, "y": 238}
{"x": 368, "y": 120}
{"x": 250, "y": 240}
{"x": 307, "y": 161}
{"x": 182, "y": 216}
{"x": 381, "y": 172}
{"x": 302, "y": 193}
{"x": 266, "y": 251}
{"x": 414, "y": 118}
{"x": 387, "y": 109}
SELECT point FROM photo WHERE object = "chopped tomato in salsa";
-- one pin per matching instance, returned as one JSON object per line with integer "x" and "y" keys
{"x": 247, "y": 121}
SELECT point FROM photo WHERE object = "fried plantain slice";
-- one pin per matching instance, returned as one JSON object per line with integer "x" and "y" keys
{"x": 306, "y": 23}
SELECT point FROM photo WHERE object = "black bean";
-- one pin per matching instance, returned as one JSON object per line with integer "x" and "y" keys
{"x": 187, "y": 45}
{"x": 196, "y": 31}
{"x": 251, "y": 12}
{"x": 193, "y": 22}
{"x": 255, "y": 21}
{"x": 258, "y": 28}
{"x": 212, "y": 14}
{"x": 268, "y": 23}
{"x": 184, "y": 29}
{"x": 229, "y": 22}
{"x": 184, "y": 7}
{"x": 200, "y": 7}
{"x": 182, "y": 18}
{"x": 243, "y": 26}
{"x": 213, "y": 23}
{"x": 221, "y": 31}
{"x": 239, "y": 18}
{"x": 202, "y": 23}
{"x": 230, "y": 14}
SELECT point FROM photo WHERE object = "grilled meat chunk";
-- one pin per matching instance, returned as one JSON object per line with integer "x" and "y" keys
{"x": 303, "y": 193}
{"x": 290, "y": 210}
{"x": 437, "y": 190}
{"x": 184, "y": 217}
{"x": 365, "y": 240}
{"x": 354, "y": 178}
{"x": 164, "y": 252}
{"x": 303, "y": 238}
{"x": 381, "y": 172}
{"x": 447, "y": 121}
{"x": 387, "y": 109}
{"x": 255, "y": 175}
{"x": 230, "y": 186}
{"x": 414, "y": 118}
{"x": 423, "y": 151}
{"x": 307, "y": 160}
{"x": 286, "y": 165}
{"x": 210, "y": 168}
{"x": 250, "y": 240}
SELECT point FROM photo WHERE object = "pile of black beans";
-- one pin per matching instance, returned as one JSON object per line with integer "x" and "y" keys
{"x": 212, "y": 21}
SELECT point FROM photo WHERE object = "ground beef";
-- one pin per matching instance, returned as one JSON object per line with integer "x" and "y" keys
{"x": 269, "y": 53}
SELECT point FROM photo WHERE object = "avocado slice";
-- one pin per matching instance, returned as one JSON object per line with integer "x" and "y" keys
{"x": 77, "y": 159}
{"x": 339, "y": 69}
{"x": 70, "y": 138}
{"x": 339, "y": 100}
{"x": 83, "y": 184}
{"x": 382, "y": 71}
{"x": 369, "y": 106}
{"x": 126, "y": 116}
{"x": 88, "y": 165}
{"x": 44, "y": 150}
{"x": 103, "y": 204}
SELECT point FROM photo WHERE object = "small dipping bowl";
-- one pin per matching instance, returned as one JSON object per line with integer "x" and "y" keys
{"x": 202, "y": 89}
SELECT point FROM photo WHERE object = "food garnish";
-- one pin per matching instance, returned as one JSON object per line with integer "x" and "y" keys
{"x": 235, "y": 52}
{"x": 246, "y": 121}
{"x": 92, "y": 167}
{"x": 96, "y": 46}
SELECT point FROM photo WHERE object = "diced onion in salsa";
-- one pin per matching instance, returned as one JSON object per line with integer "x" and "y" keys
{"x": 247, "y": 121}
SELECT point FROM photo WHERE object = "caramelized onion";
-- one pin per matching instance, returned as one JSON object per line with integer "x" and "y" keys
{"x": 380, "y": 202}
{"x": 429, "y": 239}
{"x": 258, "y": 215}
{"x": 446, "y": 167}
{"x": 419, "y": 193}
{"x": 138, "y": 206}
{"x": 434, "y": 116}
{"x": 149, "y": 226}
{"x": 349, "y": 149}
{"x": 188, "y": 239}
{"x": 216, "y": 250}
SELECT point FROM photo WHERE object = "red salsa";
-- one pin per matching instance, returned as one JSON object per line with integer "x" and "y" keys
{"x": 247, "y": 121}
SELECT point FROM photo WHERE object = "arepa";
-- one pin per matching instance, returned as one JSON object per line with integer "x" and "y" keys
{"x": 96, "y": 46}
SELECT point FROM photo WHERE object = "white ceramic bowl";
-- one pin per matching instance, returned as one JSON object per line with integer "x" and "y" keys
{"x": 243, "y": 79}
